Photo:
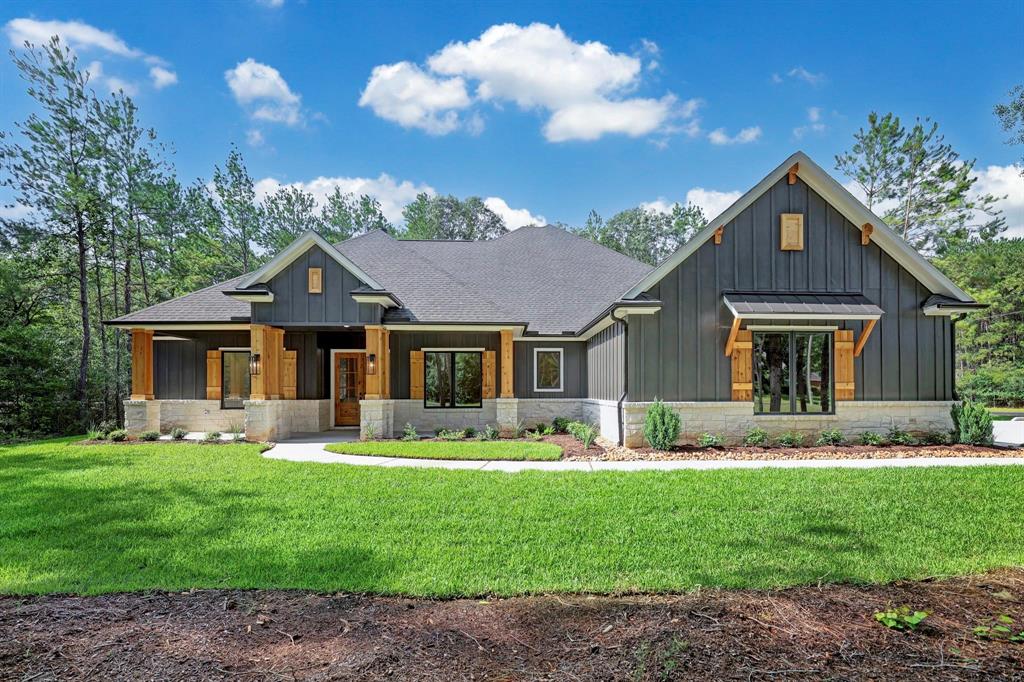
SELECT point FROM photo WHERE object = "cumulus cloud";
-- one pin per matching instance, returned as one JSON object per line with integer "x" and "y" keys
{"x": 84, "y": 38}
{"x": 254, "y": 137}
{"x": 720, "y": 137}
{"x": 514, "y": 217}
{"x": 407, "y": 95}
{"x": 711, "y": 201}
{"x": 263, "y": 92}
{"x": 392, "y": 194}
{"x": 272, "y": 4}
{"x": 814, "y": 124}
{"x": 800, "y": 73}
{"x": 1005, "y": 181}
{"x": 584, "y": 87}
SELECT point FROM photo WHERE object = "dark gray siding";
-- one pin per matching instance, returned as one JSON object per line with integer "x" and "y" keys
{"x": 574, "y": 372}
{"x": 605, "y": 363}
{"x": 403, "y": 342}
{"x": 294, "y": 305}
{"x": 677, "y": 354}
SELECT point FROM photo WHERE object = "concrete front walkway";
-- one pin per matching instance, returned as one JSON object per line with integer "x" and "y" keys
{"x": 310, "y": 448}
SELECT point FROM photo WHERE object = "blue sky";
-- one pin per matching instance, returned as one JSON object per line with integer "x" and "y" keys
{"x": 550, "y": 109}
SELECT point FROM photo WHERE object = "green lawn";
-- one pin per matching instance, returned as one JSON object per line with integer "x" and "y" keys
{"x": 91, "y": 519}
{"x": 494, "y": 449}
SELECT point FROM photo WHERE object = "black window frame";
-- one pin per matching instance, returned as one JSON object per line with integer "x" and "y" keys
{"x": 224, "y": 382}
{"x": 792, "y": 334}
{"x": 451, "y": 363}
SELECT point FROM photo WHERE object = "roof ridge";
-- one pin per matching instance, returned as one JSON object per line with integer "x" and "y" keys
{"x": 364, "y": 234}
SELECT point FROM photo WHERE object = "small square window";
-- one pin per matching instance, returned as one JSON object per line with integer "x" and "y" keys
{"x": 547, "y": 369}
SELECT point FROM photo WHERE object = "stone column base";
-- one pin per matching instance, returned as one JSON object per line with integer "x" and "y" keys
{"x": 376, "y": 419}
{"x": 507, "y": 415}
{"x": 263, "y": 421}
{"x": 141, "y": 415}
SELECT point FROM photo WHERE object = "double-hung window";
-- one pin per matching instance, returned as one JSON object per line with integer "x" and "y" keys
{"x": 793, "y": 372}
{"x": 452, "y": 379}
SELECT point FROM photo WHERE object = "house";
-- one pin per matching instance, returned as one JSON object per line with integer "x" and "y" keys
{"x": 797, "y": 309}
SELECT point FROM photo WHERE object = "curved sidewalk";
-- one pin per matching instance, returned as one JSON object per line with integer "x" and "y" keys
{"x": 311, "y": 449}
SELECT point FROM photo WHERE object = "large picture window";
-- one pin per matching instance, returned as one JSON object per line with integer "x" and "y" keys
{"x": 235, "y": 381}
{"x": 793, "y": 372}
{"x": 452, "y": 379}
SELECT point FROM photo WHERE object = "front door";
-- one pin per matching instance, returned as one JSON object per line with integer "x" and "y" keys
{"x": 349, "y": 388}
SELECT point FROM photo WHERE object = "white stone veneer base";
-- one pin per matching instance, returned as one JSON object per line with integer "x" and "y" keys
{"x": 260, "y": 419}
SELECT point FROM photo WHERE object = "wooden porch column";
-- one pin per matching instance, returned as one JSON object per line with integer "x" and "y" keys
{"x": 257, "y": 346}
{"x": 268, "y": 343}
{"x": 385, "y": 364}
{"x": 374, "y": 345}
{"x": 142, "y": 364}
{"x": 506, "y": 364}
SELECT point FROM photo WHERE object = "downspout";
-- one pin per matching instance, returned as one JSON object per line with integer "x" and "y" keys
{"x": 625, "y": 374}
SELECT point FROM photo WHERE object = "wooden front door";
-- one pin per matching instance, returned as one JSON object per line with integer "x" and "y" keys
{"x": 349, "y": 387}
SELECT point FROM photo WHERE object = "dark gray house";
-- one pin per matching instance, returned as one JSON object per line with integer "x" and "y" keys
{"x": 796, "y": 309}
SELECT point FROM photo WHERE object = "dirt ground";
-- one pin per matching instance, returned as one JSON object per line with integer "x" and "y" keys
{"x": 807, "y": 633}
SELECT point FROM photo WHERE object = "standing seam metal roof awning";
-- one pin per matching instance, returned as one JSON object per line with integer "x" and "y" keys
{"x": 801, "y": 306}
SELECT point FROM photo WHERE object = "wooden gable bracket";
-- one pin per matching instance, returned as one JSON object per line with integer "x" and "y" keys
{"x": 732, "y": 336}
{"x": 865, "y": 233}
{"x": 792, "y": 173}
{"x": 718, "y": 234}
{"x": 864, "y": 337}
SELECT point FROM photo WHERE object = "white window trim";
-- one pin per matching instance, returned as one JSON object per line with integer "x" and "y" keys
{"x": 561, "y": 370}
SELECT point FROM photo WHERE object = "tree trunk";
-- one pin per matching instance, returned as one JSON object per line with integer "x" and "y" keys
{"x": 142, "y": 259}
{"x": 83, "y": 301}
{"x": 103, "y": 333}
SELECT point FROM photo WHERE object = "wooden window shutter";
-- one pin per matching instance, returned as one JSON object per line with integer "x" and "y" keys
{"x": 213, "y": 375}
{"x": 490, "y": 370}
{"x": 289, "y": 384}
{"x": 844, "y": 365}
{"x": 316, "y": 280}
{"x": 743, "y": 366}
{"x": 792, "y": 231}
{"x": 416, "y": 375}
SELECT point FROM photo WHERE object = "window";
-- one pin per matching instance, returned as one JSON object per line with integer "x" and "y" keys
{"x": 235, "y": 379}
{"x": 452, "y": 379}
{"x": 547, "y": 369}
{"x": 793, "y": 372}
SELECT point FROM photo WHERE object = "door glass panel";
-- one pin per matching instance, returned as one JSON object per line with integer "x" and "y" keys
{"x": 236, "y": 380}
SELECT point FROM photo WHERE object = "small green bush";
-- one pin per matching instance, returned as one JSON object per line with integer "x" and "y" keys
{"x": 871, "y": 438}
{"x": 973, "y": 423}
{"x": 540, "y": 427}
{"x": 584, "y": 433}
{"x": 756, "y": 437}
{"x": 901, "y": 618}
{"x": 709, "y": 440}
{"x": 95, "y": 434}
{"x": 519, "y": 428}
{"x": 118, "y": 435}
{"x": 790, "y": 439}
{"x": 535, "y": 435}
{"x": 661, "y": 426}
{"x": 409, "y": 432}
{"x": 897, "y": 436}
{"x": 560, "y": 424}
{"x": 547, "y": 430}
{"x": 149, "y": 435}
{"x": 106, "y": 426}
{"x": 831, "y": 437}
{"x": 178, "y": 433}
{"x": 211, "y": 436}
{"x": 936, "y": 438}
{"x": 469, "y": 432}
{"x": 490, "y": 432}
{"x": 451, "y": 434}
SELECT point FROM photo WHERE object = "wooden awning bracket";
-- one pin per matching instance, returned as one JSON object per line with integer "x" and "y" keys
{"x": 865, "y": 234}
{"x": 719, "y": 231}
{"x": 864, "y": 337}
{"x": 732, "y": 336}
{"x": 792, "y": 173}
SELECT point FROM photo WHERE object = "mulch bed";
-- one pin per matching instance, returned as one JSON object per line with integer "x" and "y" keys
{"x": 687, "y": 452}
{"x": 807, "y": 633}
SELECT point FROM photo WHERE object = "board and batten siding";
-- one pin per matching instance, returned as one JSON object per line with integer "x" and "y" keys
{"x": 402, "y": 342}
{"x": 294, "y": 305}
{"x": 574, "y": 369}
{"x": 677, "y": 354}
{"x": 606, "y": 356}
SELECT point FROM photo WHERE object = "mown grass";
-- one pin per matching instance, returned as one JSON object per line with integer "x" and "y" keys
{"x": 93, "y": 519}
{"x": 460, "y": 449}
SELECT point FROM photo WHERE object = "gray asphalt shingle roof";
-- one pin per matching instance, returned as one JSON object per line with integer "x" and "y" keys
{"x": 206, "y": 305}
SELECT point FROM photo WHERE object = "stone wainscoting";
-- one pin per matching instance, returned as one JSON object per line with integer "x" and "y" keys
{"x": 389, "y": 417}
{"x": 732, "y": 420}
{"x": 267, "y": 420}
{"x": 260, "y": 420}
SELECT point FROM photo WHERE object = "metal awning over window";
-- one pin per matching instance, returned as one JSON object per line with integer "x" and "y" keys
{"x": 801, "y": 306}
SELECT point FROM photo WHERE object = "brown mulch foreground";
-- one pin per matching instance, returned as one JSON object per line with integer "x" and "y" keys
{"x": 805, "y": 633}
{"x": 688, "y": 452}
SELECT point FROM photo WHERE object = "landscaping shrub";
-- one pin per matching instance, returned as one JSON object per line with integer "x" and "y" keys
{"x": 118, "y": 435}
{"x": 831, "y": 437}
{"x": 490, "y": 432}
{"x": 211, "y": 436}
{"x": 936, "y": 438}
{"x": 540, "y": 427}
{"x": 871, "y": 438}
{"x": 560, "y": 424}
{"x": 178, "y": 433}
{"x": 469, "y": 432}
{"x": 897, "y": 436}
{"x": 451, "y": 434}
{"x": 790, "y": 439}
{"x": 709, "y": 440}
{"x": 756, "y": 437}
{"x": 149, "y": 435}
{"x": 95, "y": 434}
{"x": 517, "y": 430}
{"x": 973, "y": 423}
{"x": 547, "y": 430}
{"x": 409, "y": 432}
{"x": 535, "y": 435}
{"x": 584, "y": 433}
{"x": 661, "y": 426}
{"x": 106, "y": 426}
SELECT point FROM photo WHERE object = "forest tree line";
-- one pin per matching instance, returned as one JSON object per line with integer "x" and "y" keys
{"x": 99, "y": 225}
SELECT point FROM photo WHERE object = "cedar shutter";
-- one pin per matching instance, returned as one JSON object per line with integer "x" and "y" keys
{"x": 213, "y": 375}
{"x": 288, "y": 379}
{"x": 844, "y": 364}
{"x": 490, "y": 367}
{"x": 416, "y": 375}
{"x": 743, "y": 366}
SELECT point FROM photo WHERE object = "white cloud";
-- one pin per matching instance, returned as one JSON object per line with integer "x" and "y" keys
{"x": 806, "y": 76}
{"x": 263, "y": 90}
{"x": 720, "y": 137}
{"x": 82, "y": 37}
{"x": 814, "y": 124}
{"x": 584, "y": 87}
{"x": 412, "y": 98}
{"x": 254, "y": 137}
{"x": 393, "y": 195}
{"x": 514, "y": 217}
{"x": 272, "y": 4}
{"x": 711, "y": 201}
{"x": 14, "y": 211}
{"x": 776, "y": 78}
{"x": 1005, "y": 181}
